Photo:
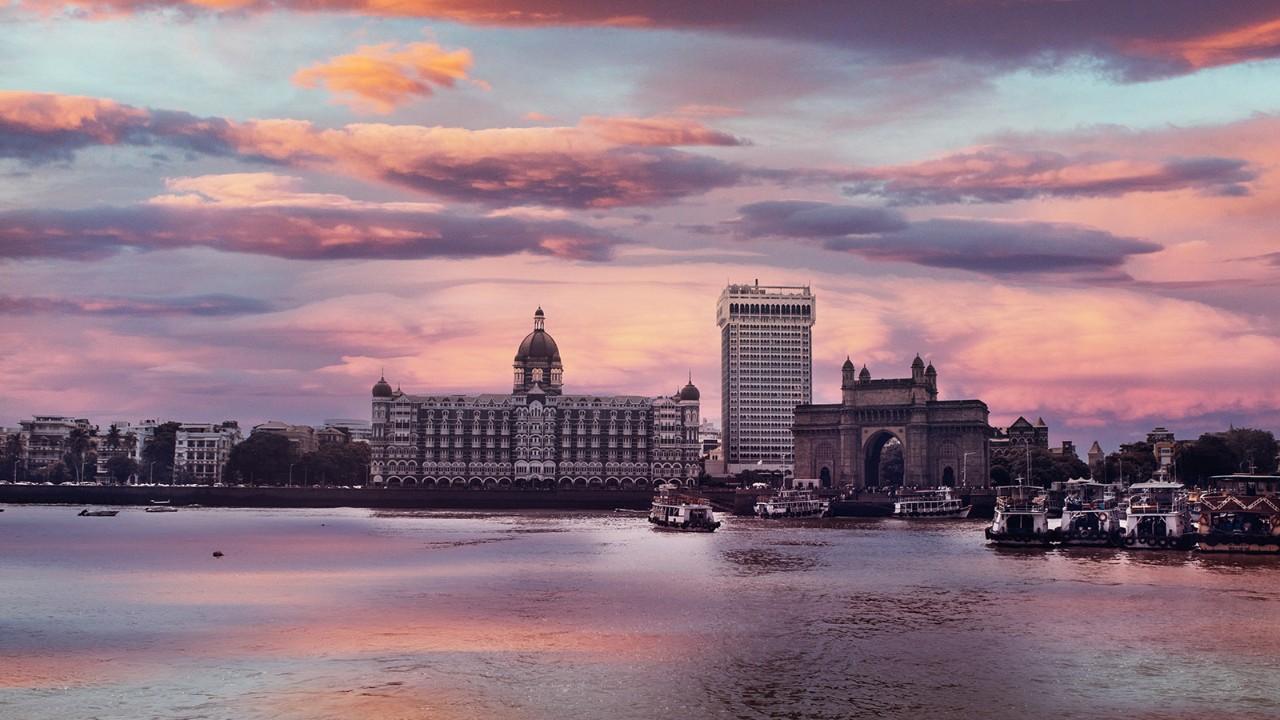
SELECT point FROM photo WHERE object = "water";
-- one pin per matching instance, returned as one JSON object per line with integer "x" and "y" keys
{"x": 315, "y": 614}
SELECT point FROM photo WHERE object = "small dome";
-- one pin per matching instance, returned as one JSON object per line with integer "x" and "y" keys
{"x": 865, "y": 374}
{"x": 538, "y": 345}
{"x": 848, "y": 363}
{"x": 917, "y": 363}
{"x": 930, "y": 371}
{"x": 689, "y": 392}
{"x": 382, "y": 388}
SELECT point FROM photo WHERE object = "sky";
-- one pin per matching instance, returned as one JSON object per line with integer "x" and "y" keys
{"x": 252, "y": 209}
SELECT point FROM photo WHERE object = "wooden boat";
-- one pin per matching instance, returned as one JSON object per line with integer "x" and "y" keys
{"x": 792, "y": 504}
{"x": 1090, "y": 515}
{"x": 932, "y": 504}
{"x": 672, "y": 510}
{"x": 98, "y": 513}
{"x": 1021, "y": 517}
{"x": 1157, "y": 517}
{"x": 1238, "y": 524}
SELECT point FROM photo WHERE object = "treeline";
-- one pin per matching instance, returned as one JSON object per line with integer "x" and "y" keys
{"x": 1238, "y": 450}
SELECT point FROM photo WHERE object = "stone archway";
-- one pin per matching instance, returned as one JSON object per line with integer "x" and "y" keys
{"x": 872, "y": 452}
{"x": 848, "y": 438}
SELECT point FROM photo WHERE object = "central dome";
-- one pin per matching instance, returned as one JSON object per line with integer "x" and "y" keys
{"x": 538, "y": 345}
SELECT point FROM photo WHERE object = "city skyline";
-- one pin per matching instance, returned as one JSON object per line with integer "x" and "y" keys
{"x": 252, "y": 212}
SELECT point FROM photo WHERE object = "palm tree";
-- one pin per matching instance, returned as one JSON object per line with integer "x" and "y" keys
{"x": 113, "y": 437}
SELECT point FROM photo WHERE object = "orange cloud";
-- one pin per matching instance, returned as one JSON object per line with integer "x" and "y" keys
{"x": 381, "y": 77}
{"x": 1242, "y": 44}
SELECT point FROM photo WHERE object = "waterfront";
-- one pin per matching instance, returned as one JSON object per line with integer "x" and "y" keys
{"x": 354, "y": 613}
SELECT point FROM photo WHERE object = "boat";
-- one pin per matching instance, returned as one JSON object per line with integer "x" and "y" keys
{"x": 98, "y": 513}
{"x": 1157, "y": 517}
{"x": 1021, "y": 517}
{"x": 161, "y": 508}
{"x": 792, "y": 504}
{"x": 1090, "y": 515}
{"x": 673, "y": 510}
{"x": 931, "y": 504}
{"x": 1238, "y": 523}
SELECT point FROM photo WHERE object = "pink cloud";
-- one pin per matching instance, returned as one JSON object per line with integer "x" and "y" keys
{"x": 603, "y": 162}
{"x": 1163, "y": 37}
{"x": 1002, "y": 174}
{"x": 383, "y": 77}
{"x": 232, "y": 217}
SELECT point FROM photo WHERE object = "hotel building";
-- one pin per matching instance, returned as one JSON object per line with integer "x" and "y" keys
{"x": 536, "y": 435}
{"x": 766, "y": 370}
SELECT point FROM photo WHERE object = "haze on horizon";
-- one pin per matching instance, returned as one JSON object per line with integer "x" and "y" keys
{"x": 251, "y": 210}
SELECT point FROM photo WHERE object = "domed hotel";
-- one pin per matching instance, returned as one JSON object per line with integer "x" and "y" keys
{"x": 535, "y": 436}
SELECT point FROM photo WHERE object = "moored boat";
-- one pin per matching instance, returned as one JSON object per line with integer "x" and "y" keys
{"x": 792, "y": 504}
{"x": 98, "y": 513}
{"x": 1157, "y": 517}
{"x": 1238, "y": 523}
{"x": 936, "y": 504}
{"x": 673, "y": 510}
{"x": 1090, "y": 515}
{"x": 161, "y": 508}
{"x": 1021, "y": 517}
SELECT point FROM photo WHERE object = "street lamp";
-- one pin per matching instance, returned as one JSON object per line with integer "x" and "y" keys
{"x": 290, "y": 480}
{"x": 964, "y": 471}
{"x": 152, "y": 475}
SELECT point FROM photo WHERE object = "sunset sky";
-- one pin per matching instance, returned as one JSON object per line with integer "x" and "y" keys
{"x": 251, "y": 209}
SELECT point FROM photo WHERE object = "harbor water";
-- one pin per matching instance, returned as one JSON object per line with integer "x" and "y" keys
{"x": 380, "y": 615}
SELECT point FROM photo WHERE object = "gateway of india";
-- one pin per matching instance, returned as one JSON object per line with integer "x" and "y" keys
{"x": 535, "y": 436}
{"x": 944, "y": 442}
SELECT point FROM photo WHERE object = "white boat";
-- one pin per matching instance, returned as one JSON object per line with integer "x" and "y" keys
{"x": 792, "y": 504}
{"x": 672, "y": 510}
{"x": 161, "y": 508}
{"x": 1090, "y": 515}
{"x": 1157, "y": 517}
{"x": 98, "y": 513}
{"x": 1238, "y": 523}
{"x": 931, "y": 504}
{"x": 1021, "y": 517}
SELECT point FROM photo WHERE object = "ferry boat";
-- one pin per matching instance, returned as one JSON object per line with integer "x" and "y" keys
{"x": 672, "y": 510}
{"x": 1090, "y": 515}
{"x": 1021, "y": 517}
{"x": 930, "y": 504}
{"x": 792, "y": 504}
{"x": 1157, "y": 517}
{"x": 98, "y": 513}
{"x": 1238, "y": 523}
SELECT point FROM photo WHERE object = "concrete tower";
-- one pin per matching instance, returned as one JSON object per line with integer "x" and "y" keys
{"x": 766, "y": 370}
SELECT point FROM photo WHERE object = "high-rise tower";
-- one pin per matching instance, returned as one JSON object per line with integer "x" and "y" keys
{"x": 766, "y": 370}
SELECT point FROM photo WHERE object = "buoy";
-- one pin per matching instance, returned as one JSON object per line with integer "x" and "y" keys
{"x": 217, "y": 553}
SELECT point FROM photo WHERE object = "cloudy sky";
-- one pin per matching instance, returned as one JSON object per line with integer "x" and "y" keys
{"x": 250, "y": 209}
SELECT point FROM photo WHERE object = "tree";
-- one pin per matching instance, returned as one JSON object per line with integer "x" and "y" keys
{"x": 11, "y": 455}
{"x": 121, "y": 467}
{"x": 157, "y": 454}
{"x": 1133, "y": 462}
{"x": 893, "y": 467}
{"x": 337, "y": 464}
{"x": 1254, "y": 450}
{"x": 1196, "y": 461}
{"x": 78, "y": 455}
{"x": 262, "y": 459}
{"x": 113, "y": 437}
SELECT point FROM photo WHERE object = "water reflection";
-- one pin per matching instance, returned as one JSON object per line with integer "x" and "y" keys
{"x": 358, "y": 614}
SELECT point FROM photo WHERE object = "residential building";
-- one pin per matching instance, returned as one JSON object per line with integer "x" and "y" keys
{"x": 201, "y": 451}
{"x": 766, "y": 371}
{"x": 301, "y": 437}
{"x": 46, "y": 438}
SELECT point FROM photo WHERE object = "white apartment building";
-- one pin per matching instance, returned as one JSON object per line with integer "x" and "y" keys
{"x": 766, "y": 370}
{"x": 201, "y": 450}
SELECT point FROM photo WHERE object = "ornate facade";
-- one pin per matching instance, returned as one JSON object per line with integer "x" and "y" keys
{"x": 536, "y": 436}
{"x": 944, "y": 442}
